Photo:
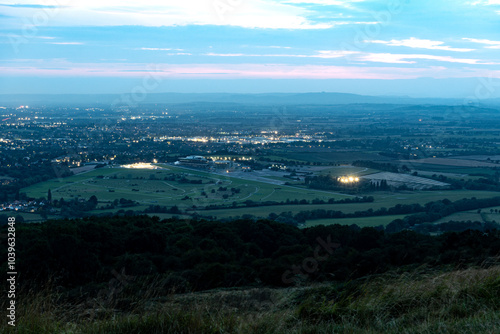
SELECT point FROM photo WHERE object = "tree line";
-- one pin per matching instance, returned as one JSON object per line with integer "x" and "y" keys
{"x": 80, "y": 255}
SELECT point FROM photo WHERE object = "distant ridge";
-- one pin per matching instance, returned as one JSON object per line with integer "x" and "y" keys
{"x": 180, "y": 98}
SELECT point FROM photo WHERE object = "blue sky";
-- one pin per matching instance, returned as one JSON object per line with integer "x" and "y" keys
{"x": 440, "y": 48}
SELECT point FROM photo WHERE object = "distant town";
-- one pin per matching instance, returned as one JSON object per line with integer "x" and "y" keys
{"x": 218, "y": 160}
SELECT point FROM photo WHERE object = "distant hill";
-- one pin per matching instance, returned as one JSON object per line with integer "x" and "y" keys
{"x": 263, "y": 99}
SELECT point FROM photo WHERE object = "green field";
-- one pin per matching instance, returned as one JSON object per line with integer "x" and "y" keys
{"x": 449, "y": 169}
{"x": 31, "y": 217}
{"x": 361, "y": 221}
{"x": 327, "y": 156}
{"x": 153, "y": 187}
{"x": 348, "y": 170}
{"x": 150, "y": 187}
{"x": 472, "y": 215}
{"x": 484, "y": 216}
{"x": 462, "y": 217}
{"x": 386, "y": 200}
{"x": 491, "y": 217}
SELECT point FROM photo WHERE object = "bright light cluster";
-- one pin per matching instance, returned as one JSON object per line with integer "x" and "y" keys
{"x": 140, "y": 165}
{"x": 348, "y": 179}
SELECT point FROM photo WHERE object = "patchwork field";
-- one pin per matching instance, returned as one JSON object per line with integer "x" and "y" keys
{"x": 441, "y": 169}
{"x": 450, "y": 162}
{"x": 463, "y": 216}
{"x": 386, "y": 200}
{"x": 34, "y": 217}
{"x": 484, "y": 215}
{"x": 194, "y": 190}
{"x": 410, "y": 181}
{"x": 479, "y": 157}
{"x": 170, "y": 186}
{"x": 322, "y": 155}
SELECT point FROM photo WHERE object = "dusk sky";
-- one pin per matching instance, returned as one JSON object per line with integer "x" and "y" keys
{"x": 425, "y": 48}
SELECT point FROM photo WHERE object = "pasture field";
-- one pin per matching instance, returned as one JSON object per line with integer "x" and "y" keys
{"x": 451, "y": 162}
{"x": 422, "y": 197}
{"x": 479, "y": 157}
{"x": 327, "y": 156}
{"x": 134, "y": 208}
{"x": 281, "y": 158}
{"x": 485, "y": 215}
{"x": 462, "y": 216}
{"x": 489, "y": 214}
{"x": 492, "y": 208}
{"x": 457, "y": 176}
{"x": 384, "y": 220}
{"x": 438, "y": 169}
{"x": 386, "y": 200}
{"x": 194, "y": 190}
{"x": 31, "y": 217}
{"x": 411, "y": 181}
{"x": 170, "y": 186}
{"x": 361, "y": 221}
{"x": 40, "y": 189}
{"x": 348, "y": 170}
{"x": 491, "y": 217}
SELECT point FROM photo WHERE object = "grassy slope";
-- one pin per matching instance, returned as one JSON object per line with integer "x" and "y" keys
{"x": 464, "y": 301}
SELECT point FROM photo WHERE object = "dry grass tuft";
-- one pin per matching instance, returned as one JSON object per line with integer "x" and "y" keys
{"x": 463, "y": 301}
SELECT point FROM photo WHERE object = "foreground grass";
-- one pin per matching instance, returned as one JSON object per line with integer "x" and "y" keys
{"x": 464, "y": 301}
